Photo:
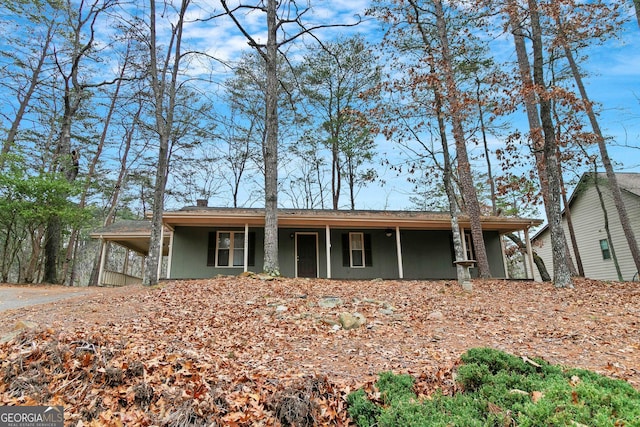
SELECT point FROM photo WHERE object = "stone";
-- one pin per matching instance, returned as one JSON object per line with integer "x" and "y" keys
{"x": 281, "y": 308}
{"x": 435, "y": 315}
{"x": 351, "y": 320}
{"x": 330, "y": 302}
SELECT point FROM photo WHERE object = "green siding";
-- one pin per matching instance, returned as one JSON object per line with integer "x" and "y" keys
{"x": 426, "y": 254}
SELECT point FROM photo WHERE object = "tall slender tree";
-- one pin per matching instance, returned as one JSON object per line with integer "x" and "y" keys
{"x": 564, "y": 41}
{"x": 278, "y": 15}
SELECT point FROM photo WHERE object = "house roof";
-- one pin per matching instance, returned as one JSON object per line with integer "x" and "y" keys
{"x": 627, "y": 181}
{"x": 132, "y": 234}
{"x": 206, "y": 216}
{"x": 135, "y": 234}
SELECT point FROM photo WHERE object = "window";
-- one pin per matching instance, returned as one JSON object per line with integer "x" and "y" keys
{"x": 356, "y": 250}
{"x": 604, "y": 247}
{"x": 226, "y": 249}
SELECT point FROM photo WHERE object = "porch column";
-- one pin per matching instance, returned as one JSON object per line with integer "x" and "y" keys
{"x": 399, "y": 252}
{"x": 504, "y": 255}
{"x": 103, "y": 260}
{"x": 529, "y": 252}
{"x": 125, "y": 265}
{"x": 327, "y": 234}
{"x": 161, "y": 252}
{"x": 246, "y": 248}
{"x": 170, "y": 257}
{"x": 464, "y": 243}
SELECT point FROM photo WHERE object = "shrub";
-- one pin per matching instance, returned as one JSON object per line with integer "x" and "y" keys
{"x": 500, "y": 389}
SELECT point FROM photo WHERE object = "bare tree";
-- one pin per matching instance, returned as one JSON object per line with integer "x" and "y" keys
{"x": 290, "y": 14}
{"x": 542, "y": 132}
{"x": 564, "y": 41}
{"x": 164, "y": 86}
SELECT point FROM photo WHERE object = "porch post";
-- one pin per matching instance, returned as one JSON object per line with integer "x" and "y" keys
{"x": 161, "y": 253}
{"x": 327, "y": 234}
{"x": 529, "y": 251}
{"x": 504, "y": 255}
{"x": 170, "y": 256}
{"x": 125, "y": 265}
{"x": 246, "y": 247}
{"x": 464, "y": 243}
{"x": 103, "y": 260}
{"x": 399, "y": 251}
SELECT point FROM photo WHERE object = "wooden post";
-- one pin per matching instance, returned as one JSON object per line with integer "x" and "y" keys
{"x": 103, "y": 261}
{"x": 246, "y": 248}
{"x": 328, "y": 249}
{"x": 529, "y": 252}
{"x": 399, "y": 251}
{"x": 504, "y": 256}
{"x": 170, "y": 255}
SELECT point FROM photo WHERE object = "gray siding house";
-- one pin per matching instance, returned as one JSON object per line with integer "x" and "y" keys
{"x": 202, "y": 242}
{"x": 589, "y": 224}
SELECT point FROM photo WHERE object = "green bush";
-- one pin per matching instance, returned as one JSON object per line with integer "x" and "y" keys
{"x": 501, "y": 389}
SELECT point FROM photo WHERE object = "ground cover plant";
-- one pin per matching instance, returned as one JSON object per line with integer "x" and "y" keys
{"x": 499, "y": 389}
{"x": 247, "y": 352}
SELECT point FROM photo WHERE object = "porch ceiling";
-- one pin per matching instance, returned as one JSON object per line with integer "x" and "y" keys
{"x": 131, "y": 234}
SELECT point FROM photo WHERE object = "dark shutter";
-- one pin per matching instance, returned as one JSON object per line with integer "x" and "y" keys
{"x": 345, "y": 250}
{"x": 211, "y": 249}
{"x": 252, "y": 248}
{"x": 368, "y": 257}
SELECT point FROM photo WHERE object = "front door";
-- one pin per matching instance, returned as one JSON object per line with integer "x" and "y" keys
{"x": 307, "y": 255}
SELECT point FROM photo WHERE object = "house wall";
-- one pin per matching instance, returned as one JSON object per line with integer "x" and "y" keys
{"x": 426, "y": 254}
{"x": 588, "y": 222}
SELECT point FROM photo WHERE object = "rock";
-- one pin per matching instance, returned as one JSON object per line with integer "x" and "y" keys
{"x": 281, "y": 308}
{"x": 264, "y": 276}
{"x": 330, "y": 322}
{"x": 435, "y": 315}
{"x": 378, "y": 279}
{"x": 351, "y": 320}
{"x": 386, "y": 311}
{"x": 247, "y": 274}
{"x": 330, "y": 302}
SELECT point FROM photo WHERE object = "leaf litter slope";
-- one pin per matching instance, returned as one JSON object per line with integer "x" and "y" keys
{"x": 233, "y": 349}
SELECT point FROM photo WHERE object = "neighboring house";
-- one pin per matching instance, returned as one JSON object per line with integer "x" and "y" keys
{"x": 589, "y": 225}
{"x": 204, "y": 242}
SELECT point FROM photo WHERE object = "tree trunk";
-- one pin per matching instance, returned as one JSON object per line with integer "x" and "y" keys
{"x": 530, "y": 101}
{"x": 606, "y": 225}
{"x": 542, "y": 269}
{"x": 561, "y": 271}
{"x": 636, "y": 5}
{"x": 464, "y": 168}
{"x": 572, "y": 233}
{"x": 164, "y": 127}
{"x": 604, "y": 154}
{"x": 271, "y": 262}
{"x": 492, "y": 184}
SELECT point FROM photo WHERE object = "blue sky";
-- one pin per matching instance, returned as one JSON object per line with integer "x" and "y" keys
{"x": 613, "y": 82}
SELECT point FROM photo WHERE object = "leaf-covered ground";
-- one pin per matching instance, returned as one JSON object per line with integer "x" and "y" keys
{"x": 244, "y": 351}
